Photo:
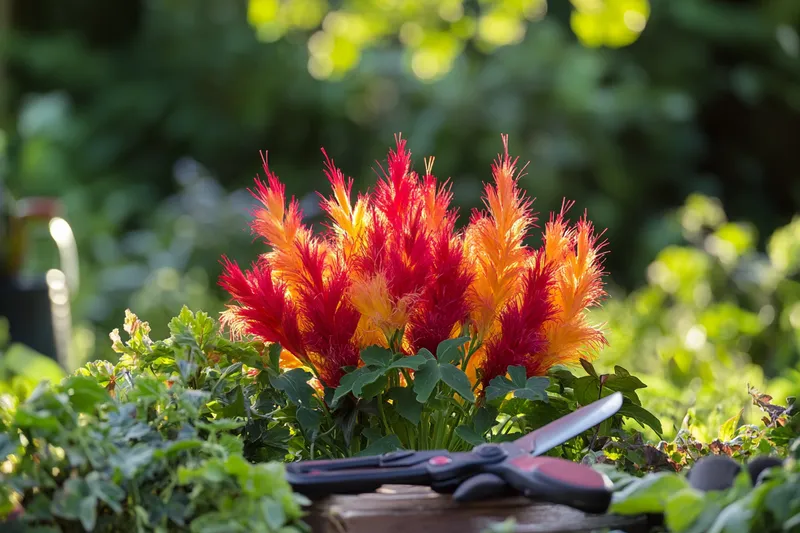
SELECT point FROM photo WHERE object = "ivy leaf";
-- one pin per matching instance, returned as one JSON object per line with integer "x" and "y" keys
{"x": 295, "y": 384}
{"x": 376, "y": 356}
{"x": 386, "y": 444}
{"x": 458, "y": 380}
{"x": 309, "y": 419}
{"x": 448, "y": 350}
{"x": 469, "y": 435}
{"x": 406, "y": 404}
{"x": 426, "y": 378}
{"x": 641, "y": 415}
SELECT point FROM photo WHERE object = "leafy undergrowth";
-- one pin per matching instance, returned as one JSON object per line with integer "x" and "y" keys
{"x": 132, "y": 448}
{"x": 770, "y": 503}
{"x": 190, "y": 433}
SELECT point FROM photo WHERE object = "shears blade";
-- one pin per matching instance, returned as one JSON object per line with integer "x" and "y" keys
{"x": 560, "y": 431}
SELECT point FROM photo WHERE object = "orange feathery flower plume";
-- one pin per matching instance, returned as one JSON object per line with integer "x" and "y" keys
{"x": 281, "y": 227}
{"x": 576, "y": 256}
{"x": 348, "y": 221}
{"x": 494, "y": 242}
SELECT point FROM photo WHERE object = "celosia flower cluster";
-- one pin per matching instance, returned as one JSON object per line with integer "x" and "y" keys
{"x": 392, "y": 269}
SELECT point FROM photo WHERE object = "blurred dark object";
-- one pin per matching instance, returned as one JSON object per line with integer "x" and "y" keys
{"x": 37, "y": 307}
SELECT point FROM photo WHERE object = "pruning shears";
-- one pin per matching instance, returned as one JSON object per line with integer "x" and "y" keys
{"x": 489, "y": 470}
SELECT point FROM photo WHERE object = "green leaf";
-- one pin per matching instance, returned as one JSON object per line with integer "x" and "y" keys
{"x": 448, "y": 350}
{"x": 27, "y": 418}
{"x": 469, "y": 435}
{"x": 88, "y": 512}
{"x": 294, "y": 383}
{"x": 274, "y": 352}
{"x": 414, "y": 362}
{"x": 626, "y": 383}
{"x": 346, "y": 384}
{"x": 641, "y": 415}
{"x": 130, "y": 460}
{"x": 405, "y": 403}
{"x": 425, "y": 379}
{"x": 518, "y": 375}
{"x": 728, "y": 429}
{"x": 376, "y": 356}
{"x": 84, "y": 393}
{"x": 7, "y": 446}
{"x": 385, "y": 444}
{"x": 534, "y": 388}
{"x": 106, "y": 491}
{"x": 309, "y": 419}
{"x": 457, "y": 380}
{"x": 735, "y": 518}
{"x": 683, "y": 508}
{"x": 365, "y": 379}
{"x": 647, "y": 495}
{"x": 273, "y": 513}
{"x": 485, "y": 418}
{"x": 589, "y": 368}
{"x": 586, "y": 389}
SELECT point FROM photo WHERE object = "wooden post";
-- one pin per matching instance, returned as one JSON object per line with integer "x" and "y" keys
{"x": 407, "y": 509}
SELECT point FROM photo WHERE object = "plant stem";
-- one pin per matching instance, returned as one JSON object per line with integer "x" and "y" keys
{"x": 383, "y": 414}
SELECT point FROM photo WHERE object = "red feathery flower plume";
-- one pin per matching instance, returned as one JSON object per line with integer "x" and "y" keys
{"x": 330, "y": 319}
{"x": 263, "y": 308}
{"x": 522, "y": 338}
{"x": 444, "y": 304}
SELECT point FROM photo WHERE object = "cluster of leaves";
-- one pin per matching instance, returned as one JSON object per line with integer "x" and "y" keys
{"x": 439, "y": 410}
{"x": 151, "y": 444}
{"x": 718, "y": 312}
{"x": 772, "y": 435}
{"x": 771, "y": 503}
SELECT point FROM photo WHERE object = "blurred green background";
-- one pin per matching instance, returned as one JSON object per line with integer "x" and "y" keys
{"x": 673, "y": 122}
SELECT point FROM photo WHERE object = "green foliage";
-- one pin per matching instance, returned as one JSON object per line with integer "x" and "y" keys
{"x": 21, "y": 368}
{"x": 771, "y": 505}
{"x": 433, "y": 33}
{"x": 716, "y": 315}
{"x": 153, "y": 443}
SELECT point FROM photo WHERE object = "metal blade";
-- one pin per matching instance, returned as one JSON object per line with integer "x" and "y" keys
{"x": 560, "y": 431}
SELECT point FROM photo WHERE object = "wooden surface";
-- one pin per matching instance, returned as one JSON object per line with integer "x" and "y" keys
{"x": 406, "y": 509}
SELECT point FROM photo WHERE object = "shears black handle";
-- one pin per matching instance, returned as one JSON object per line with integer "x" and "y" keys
{"x": 471, "y": 476}
{"x": 360, "y": 474}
